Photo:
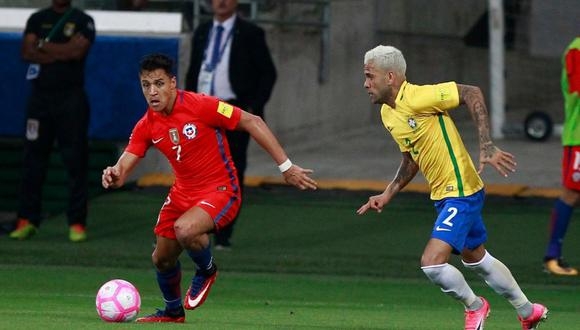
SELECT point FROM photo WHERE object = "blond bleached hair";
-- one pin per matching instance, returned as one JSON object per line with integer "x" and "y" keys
{"x": 387, "y": 58}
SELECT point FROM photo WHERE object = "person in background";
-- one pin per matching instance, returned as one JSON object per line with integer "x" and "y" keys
{"x": 189, "y": 129}
{"x": 417, "y": 118}
{"x": 570, "y": 195}
{"x": 130, "y": 5}
{"x": 231, "y": 60}
{"x": 56, "y": 43}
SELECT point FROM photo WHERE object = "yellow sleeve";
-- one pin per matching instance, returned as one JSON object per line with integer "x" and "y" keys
{"x": 438, "y": 97}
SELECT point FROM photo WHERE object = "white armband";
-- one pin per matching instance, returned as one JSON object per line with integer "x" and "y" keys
{"x": 285, "y": 166}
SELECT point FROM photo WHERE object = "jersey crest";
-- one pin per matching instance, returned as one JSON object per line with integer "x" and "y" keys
{"x": 190, "y": 131}
{"x": 412, "y": 123}
{"x": 174, "y": 135}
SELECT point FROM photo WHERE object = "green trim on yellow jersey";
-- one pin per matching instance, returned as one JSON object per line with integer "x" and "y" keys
{"x": 452, "y": 156}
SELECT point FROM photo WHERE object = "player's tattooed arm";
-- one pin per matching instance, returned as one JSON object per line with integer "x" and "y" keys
{"x": 503, "y": 162}
{"x": 405, "y": 173}
{"x": 472, "y": 97}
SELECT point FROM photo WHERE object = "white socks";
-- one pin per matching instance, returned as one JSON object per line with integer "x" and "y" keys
{"x": 500, "y": 279}
{"x": 495, "y": 274}
{"x": 451, "y": 282}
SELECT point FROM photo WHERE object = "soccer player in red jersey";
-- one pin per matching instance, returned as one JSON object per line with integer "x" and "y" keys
{"x": 189, "y": 129}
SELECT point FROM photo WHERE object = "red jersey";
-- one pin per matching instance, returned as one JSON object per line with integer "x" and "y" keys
{"x": 193, "y": 139}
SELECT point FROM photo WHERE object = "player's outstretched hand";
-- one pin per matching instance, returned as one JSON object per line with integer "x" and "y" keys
{"x": 298, "y": 177}
{"x": 110, "y": 178}
{"x": 502, "y": 161}
{"x": 375, "y": 202}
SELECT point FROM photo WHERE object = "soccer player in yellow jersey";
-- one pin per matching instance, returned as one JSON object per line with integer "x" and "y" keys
{"x": 417, "y": 118}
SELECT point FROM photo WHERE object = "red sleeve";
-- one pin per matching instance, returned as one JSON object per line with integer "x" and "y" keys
{"x": 573, "y": 70}
{"x": 220, "y": 114}
{"x": 140, "y": 139}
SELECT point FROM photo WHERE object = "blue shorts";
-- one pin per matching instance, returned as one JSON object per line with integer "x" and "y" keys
{"x": 459, "y": 222}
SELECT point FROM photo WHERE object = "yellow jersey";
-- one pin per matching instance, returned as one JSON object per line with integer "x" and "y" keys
{"x": 420, "y": 125}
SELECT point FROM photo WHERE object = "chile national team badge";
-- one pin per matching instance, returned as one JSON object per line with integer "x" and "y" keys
{"x": 190, "y": 131}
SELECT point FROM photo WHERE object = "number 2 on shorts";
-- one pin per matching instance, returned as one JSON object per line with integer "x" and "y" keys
{"x": 452, "y": 213}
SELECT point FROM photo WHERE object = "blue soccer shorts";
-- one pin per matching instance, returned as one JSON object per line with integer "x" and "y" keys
{"x": 459, "y": 222}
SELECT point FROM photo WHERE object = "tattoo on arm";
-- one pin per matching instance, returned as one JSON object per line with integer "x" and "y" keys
{"x": 472, "y": 97}
{"x": 406, "y": 172}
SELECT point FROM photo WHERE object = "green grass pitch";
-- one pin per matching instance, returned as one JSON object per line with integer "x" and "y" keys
{"x": 301, "y": 260}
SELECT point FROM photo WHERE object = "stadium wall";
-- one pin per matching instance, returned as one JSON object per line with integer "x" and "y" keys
{"x": 433, "y": 36}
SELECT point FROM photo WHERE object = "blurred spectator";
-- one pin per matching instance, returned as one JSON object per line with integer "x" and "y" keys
{"x": 131, "y": 4}
{"x": 56, "y": 42}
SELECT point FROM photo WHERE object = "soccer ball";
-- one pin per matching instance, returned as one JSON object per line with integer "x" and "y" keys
{"x": 118, "y": 301}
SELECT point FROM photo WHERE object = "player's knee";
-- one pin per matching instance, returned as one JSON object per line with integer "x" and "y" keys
{"x": 184, "y": 230}
{"x": 473, "y": 256}
{"x": 181, "y": 232}
{"x": 431, "y": 259}
{"x": 162, "y": 263}
{"x": 191, "y": 235}
{"x": 191, "y": 239}
{"x": 570, "y": 197}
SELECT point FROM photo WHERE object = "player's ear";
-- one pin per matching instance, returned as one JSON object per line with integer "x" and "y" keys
{"x": 390, "y": 76}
